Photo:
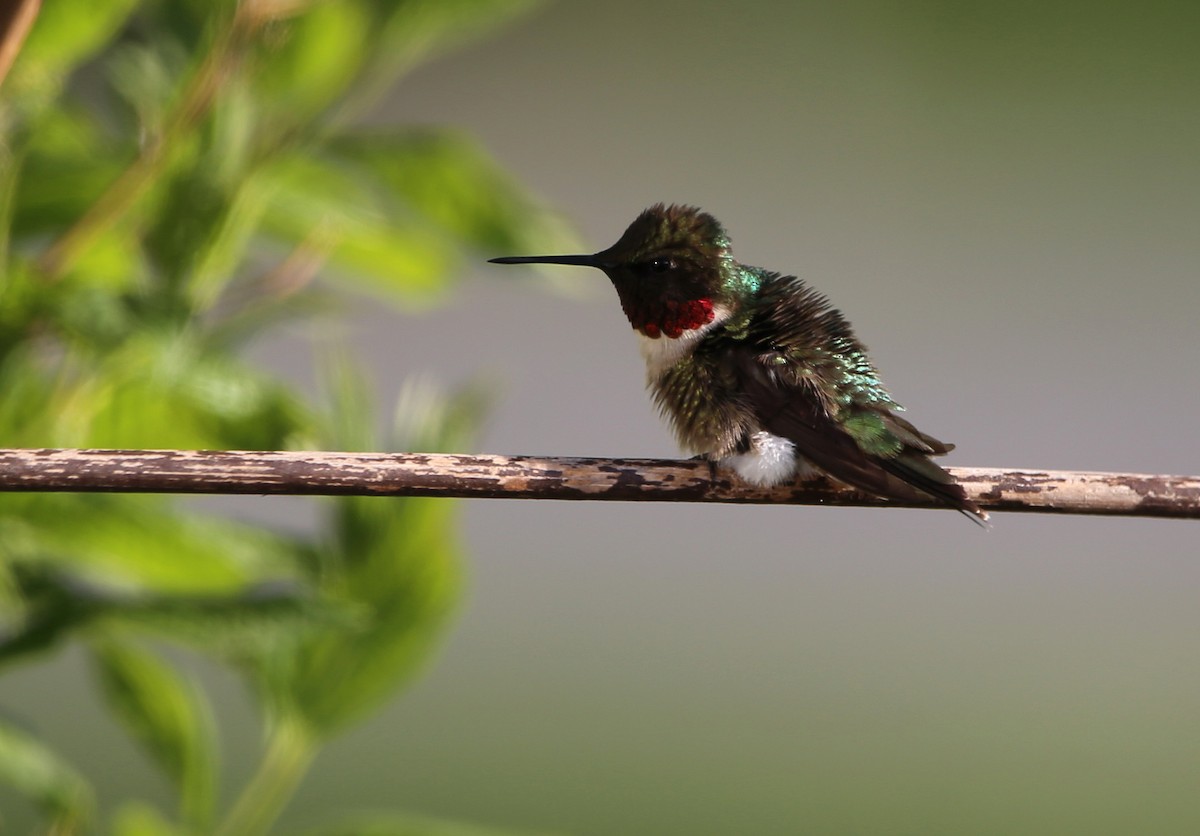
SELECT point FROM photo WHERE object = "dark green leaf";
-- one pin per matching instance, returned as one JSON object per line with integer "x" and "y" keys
{"x": 44, "y": 610}
{"x": 246, "y": 626}
{"x": 250, "y": 627}
{"x": 194, "y": 210}
{"x": 68, "y": 164}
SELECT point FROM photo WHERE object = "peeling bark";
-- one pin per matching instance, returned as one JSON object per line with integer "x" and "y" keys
{"x": 533, "y": 477}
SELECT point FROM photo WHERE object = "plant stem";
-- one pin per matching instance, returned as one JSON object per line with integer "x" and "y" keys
{"x": 290, "y": 752}
{"x": 16, "y": 19}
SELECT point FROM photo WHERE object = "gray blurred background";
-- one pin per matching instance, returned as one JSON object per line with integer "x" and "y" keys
{"x": 1005, "y": 200}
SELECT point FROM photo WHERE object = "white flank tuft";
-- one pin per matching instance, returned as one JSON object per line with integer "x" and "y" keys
{"x": 771, "y": 460}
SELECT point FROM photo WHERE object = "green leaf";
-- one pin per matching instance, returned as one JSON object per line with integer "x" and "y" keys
{"x": 140, "y": 541}
{"x": 263, "y": 622}
{"x": 68, "y": 164}
{"x": 26, "y": 395}
{"x": 395, "y": 560}
{"x": 138, "y": 819}
{"x": 45, "y": 607}
{"x": 404, "y": 575}
{"x": 146, "y": 76}
{"x": 10, "y": 165}
{"x": 408, "y": 32}
{"x": 310, "y": 61}
{"x": 227, "y": 244}
{"x": 217, "y": 236}
{"x": 427, "y": 419}
{"x": 45, "y": 779}
{"x": 63, "y": 36}
{"x": 204, "y": 206}
{"x": 317, "y": 203}
{"x": 454, "y": 185}
{"x": 187, "y": 222}
{"x": 168, "y": 716}
{"x": 349, "y": 425}
{"x": 163, "y": 387}
{"x": 276, "y": 300}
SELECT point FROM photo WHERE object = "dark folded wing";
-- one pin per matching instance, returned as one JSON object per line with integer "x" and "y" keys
{"x": 870, "y": 447}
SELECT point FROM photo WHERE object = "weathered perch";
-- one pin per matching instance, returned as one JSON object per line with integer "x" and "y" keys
{"x": 539, "y": 477}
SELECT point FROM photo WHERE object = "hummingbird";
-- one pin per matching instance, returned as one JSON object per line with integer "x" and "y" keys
{"x": 756, "y": 371}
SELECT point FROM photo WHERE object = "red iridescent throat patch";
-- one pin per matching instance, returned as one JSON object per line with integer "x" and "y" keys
{"x": 670, "y": 318}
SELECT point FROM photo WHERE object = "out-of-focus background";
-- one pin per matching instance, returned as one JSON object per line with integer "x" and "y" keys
{"x": 1005, "y": 200}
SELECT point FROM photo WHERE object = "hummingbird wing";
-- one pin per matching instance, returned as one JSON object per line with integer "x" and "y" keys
{"x": 808, "y": 379}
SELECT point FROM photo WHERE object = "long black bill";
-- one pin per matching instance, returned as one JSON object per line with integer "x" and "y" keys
{"x": 574, "y": 260}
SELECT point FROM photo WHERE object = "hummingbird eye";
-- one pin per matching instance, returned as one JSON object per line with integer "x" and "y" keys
{"x": 662, "y": 265}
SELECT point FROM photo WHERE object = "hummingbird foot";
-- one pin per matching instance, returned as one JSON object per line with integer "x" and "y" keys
{"x": 713, "y": 465}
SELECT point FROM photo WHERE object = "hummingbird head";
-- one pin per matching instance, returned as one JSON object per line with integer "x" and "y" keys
{"x": 671, "y": 269}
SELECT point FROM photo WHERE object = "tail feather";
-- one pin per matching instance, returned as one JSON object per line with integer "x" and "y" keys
{"x": 921, "y": 473}
{"x": 911, "y": 476}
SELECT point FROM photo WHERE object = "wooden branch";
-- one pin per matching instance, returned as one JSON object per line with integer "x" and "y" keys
{"x": 533, "y": 477}
{"x": 16, "y": 19}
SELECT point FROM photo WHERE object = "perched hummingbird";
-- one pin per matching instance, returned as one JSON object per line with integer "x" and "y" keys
{"x": 756, "y": 371}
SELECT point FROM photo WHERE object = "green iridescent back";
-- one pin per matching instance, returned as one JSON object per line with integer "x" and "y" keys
{"x": 805, "y": 343}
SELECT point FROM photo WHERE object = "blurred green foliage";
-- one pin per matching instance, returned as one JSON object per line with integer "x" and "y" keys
{"x": 176, "y": 178}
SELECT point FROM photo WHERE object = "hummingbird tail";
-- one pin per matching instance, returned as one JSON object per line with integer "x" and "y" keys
{"x": 916, "y": 470}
